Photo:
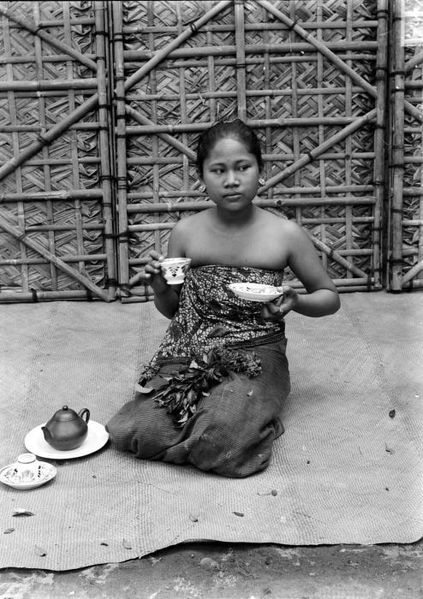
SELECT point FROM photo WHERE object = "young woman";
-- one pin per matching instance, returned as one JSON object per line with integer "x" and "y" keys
{"x": 217, "y": 384}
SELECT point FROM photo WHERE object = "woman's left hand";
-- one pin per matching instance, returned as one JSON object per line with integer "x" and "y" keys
{"x": 277, "y": 310}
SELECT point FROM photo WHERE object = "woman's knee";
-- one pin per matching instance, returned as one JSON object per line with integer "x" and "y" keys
{"x": 144, "y": 429}
{"x": 230, "y": 455}
{"x": 128, "y": 424}
{"x": 120, "y": 431}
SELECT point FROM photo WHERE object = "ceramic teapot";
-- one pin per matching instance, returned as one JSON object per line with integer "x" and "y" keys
{"x": 66, "y": 429}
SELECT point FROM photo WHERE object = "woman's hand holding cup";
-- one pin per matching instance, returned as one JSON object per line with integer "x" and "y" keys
{"x": 161, "y": 272}
{"x": 153, "y": 272}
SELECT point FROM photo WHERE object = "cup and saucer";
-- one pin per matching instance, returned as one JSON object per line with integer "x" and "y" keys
{"x": 27, "y": 473}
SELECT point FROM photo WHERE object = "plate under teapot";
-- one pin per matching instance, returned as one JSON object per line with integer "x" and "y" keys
{"x": 96, "y": 438}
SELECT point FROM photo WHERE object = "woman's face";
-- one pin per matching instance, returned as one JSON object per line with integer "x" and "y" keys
{"x": 230, "y": 174}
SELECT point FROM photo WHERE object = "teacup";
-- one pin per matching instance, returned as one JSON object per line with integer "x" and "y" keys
{"x": 175, "y": 269}
{"x": 26, "y": 468}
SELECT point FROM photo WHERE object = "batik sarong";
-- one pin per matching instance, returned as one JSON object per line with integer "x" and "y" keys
{"x": 234, "y": 424}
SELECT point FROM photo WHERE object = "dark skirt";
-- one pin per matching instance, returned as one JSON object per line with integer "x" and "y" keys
{"x": 233, "y": 429}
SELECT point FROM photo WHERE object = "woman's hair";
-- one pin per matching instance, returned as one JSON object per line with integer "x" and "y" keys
{"x": 236, "y": 129}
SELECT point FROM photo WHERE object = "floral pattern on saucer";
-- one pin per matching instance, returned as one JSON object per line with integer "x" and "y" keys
{"x": 43, "y": 473}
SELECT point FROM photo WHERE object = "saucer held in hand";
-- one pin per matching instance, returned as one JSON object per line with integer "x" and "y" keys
{"x": 256, "y": 292}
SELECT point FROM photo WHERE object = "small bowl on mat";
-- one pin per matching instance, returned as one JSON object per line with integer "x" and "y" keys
{"x": 175, "y": 269}
{"x": 27, "y": 473}
{"x": 256, "y": 292}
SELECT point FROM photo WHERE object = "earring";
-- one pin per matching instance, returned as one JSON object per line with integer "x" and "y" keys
{"x": 262, "y": 181}
{"x": 202, "y": 188}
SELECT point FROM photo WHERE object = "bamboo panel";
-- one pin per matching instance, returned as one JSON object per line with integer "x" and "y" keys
{"x": 405, "y": 263}
{"x": 56, "y": 238}
{"x": 309, "y": 76}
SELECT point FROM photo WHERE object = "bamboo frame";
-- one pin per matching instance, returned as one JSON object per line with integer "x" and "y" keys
{"x": 228, "y": 50}
{"x": 322, "y": 48}
{"x": 404, "y": 265}
{"x": 7, "y": 297}
{"x": 44, "y": 85}
{"x": 397, "y": 152}
{"x": 46, "y": 138}
{"x": 315, "y": 152}
{"x": 51, "y": 199}
{"x": 280, "y": 76}
{"x": 130, "y": 295}
{"x": 161, "y": 207}
{"x": 379, "y": 236}
{"x": 119, "y": 82}
{"x": 122, "y": 87}
{"x": 106, "y": 170}
{"x": 164, "y": 52}
{"x": 52, "y": 258}
{"x": 50, "y": 39}
{"x": 195, "y": 127}
{"x": 242, "y": 55}
{"x": 240, "y": 59}
{"x": 147, "y": 125}
{"x": 55, "y": 131}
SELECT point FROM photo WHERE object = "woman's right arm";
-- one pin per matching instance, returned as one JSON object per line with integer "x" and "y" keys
{"x": 166, "y": 297}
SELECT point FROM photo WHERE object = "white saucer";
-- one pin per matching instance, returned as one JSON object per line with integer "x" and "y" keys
{"x": 96, "y": 438}
{"x": 10, "y": 477}
{"x": 256, "y": 292}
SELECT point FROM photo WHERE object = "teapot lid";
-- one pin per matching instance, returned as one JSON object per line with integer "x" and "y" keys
{"x": 65, "y": 414}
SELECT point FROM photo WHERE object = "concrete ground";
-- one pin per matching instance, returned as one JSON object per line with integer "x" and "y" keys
{"x": 221, "y": 571}
{"x": 212, "y": 570}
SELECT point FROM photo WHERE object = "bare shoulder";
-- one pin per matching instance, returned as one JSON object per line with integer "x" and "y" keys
{"x": 282, "y": 224}
{"x": 187, "y": 222}
{"x": 295, "y": 241}
{"x": 184, "y": 230}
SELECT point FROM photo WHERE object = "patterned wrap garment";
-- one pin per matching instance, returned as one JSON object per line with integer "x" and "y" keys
{"x": 229, "y": 426}
{"x": 211, "y": 315}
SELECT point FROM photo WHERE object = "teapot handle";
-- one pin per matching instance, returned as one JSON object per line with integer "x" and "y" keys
{"x": 84, "y": 414}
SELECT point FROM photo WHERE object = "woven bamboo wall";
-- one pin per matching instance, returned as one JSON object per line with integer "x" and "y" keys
{"x": 56, "y": 223}
{"x": 308, "y": 76}
{"x": 405, "y": 264}
{"x": 101, "y": 104}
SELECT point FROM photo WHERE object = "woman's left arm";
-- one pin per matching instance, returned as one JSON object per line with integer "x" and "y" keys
{"x": 322, "y": 296}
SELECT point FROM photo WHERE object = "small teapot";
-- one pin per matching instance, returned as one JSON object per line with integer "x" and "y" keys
{"x": 66, "y": 429}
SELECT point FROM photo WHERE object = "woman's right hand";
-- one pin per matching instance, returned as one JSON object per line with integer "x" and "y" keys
{"x": 166, "y": 297}
{"x": 153, "y": 272}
